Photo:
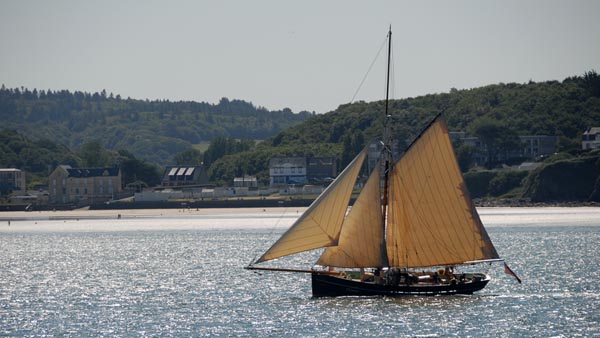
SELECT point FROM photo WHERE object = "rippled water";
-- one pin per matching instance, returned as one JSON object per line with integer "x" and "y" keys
{"x": 184, "y": 276}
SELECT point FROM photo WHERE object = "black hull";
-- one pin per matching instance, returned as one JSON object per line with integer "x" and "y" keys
{"x": 333, "y": 286}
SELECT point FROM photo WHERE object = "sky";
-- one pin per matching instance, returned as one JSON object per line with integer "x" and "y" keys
{"x": 304, "y": 55}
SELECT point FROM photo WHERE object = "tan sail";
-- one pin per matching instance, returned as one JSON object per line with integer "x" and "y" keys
{"x": 320, "y": 224}
{"x": 361, "y": 239}
{"x": 431, "y": 219}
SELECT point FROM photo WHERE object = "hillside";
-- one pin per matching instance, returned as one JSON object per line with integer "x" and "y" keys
{"x": 563, "y": 108}
{"x": 168, "y": 131}
{"x": 151, "y": 130}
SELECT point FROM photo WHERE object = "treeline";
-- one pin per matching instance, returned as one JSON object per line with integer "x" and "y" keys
{"x": 564, "y": 109}
{"x": 152, "y": 130}
{"x": 495, "y": 113}
{"x": 561, "y": 108}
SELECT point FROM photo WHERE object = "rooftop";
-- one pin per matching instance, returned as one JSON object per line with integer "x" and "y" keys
{"x": 92, "y": 172}
{"x": 592, "y": 131}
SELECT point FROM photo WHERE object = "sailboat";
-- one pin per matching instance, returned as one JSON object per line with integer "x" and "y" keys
{"x": 409, "y": 232}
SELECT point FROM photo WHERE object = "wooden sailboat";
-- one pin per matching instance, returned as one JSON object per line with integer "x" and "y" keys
{"x": 410, "y": 230}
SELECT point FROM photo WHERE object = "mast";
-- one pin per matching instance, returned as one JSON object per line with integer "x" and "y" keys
{"x": 387, "y": 150}
{"x": 387, "y": 85}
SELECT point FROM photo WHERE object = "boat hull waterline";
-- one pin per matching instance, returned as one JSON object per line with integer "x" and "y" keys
{"x": 333, "y": 286}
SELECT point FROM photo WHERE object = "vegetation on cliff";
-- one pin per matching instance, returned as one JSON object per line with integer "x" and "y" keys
{"x": 573, "y": 179}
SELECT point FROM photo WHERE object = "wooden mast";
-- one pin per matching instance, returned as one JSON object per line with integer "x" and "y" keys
{"x": 387, "y": 150}
{"x": 387, "y": 85}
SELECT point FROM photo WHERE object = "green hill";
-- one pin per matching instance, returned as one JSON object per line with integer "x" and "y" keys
{"x": 163, "y": 131}
{"x": 152, "y": 130}
{"x": 563, "y": 108}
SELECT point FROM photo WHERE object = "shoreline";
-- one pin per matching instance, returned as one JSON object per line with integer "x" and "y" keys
{"x": 524, "y": 203}
{"x": 83, "y": 214}
{"x": 139, "y": 213}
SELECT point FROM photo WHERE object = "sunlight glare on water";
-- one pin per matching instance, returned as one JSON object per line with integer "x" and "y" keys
{"x": 184, "y": 276}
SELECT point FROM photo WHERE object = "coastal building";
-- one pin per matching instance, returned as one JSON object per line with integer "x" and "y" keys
{"x": 591, "y": 138}
{"x": 83, "y": 185}
{"x": 179, "y": 176}
{"x": 532, "y": 147}
{"x": 321, "y": 169}
{"x": 535, "y": 146}
{"x": 375, "y": 149}
{"x": 12, "y": 181}
{"x": 245, "y": 182}
{"x": 287, "y": 170}
{"x": 373, "y": 155}
{"x": 284, "y": 171}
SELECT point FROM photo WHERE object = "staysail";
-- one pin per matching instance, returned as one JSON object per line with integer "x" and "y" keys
{"x": 431, "y": 219}
{"x": 319, "y": 226}
{"x": 361, "y": 238}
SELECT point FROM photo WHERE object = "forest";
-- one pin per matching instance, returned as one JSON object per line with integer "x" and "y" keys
{"x": 151, "y": 130}
{"x": 154, "y": 133}
{"x": 561, "y": 108}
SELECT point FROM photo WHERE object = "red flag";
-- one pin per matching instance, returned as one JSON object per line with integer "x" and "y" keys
{"x": 508, "y": 271}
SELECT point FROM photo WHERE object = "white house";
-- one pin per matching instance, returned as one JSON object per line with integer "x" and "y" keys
{"x": 287, "y": 170}
{"x": 591, "y": 138}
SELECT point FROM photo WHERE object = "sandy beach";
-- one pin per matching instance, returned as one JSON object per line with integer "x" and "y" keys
{"x": 138, "y": 213}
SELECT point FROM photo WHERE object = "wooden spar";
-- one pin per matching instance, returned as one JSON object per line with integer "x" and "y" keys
{"x": 318, "y": 272}
{"x": 387, "y": 150}
{"x": 387, "y": 84}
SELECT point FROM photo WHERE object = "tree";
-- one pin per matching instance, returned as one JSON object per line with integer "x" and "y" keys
{"x": 137, "y": 171}
{"x": 190, "y": 156}
{"x": 498, "y": 139}
{"x": 347, "y": 150}
{"x": 591, "y": 82}
{"x": 222, "y": 146}
{"x": 93, "y": 154}
{"x": 464, "y": 156}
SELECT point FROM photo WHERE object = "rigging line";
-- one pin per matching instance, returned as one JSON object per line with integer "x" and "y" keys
{"x": 271, "y": 231}
{"x": 369, "y": 70}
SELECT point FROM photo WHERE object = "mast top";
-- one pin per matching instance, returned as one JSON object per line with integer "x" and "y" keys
{"x": 387, "y": 87}
{"x": 387, "y": 133}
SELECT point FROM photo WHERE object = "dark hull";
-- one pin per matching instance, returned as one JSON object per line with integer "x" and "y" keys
{"x": 332, "y": 286}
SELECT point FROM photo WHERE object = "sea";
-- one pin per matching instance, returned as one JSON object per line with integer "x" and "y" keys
{"x": 183, "y": 275}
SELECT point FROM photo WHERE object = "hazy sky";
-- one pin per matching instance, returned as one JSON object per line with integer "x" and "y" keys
{"x": 305, "y": 55}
